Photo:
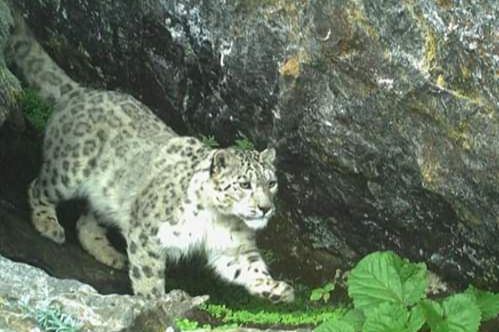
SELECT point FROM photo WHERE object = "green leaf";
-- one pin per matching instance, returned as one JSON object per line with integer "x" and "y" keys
{"x": 323, "y": 292}
{"x": 413, "y": 278}
{"x": 316, "y": 295}
{"x": 458, "y": 313}
{"x": 329, "y": 287}
{"x": 462, "y": 313}
{"x": 387, "y": 317}
{"x": 433, "y": 312}
{"x": 416, "y": 319}
{"x": 354, "y": 317}
{"x": 488, "y": 302}
{"x": 375, "y": 280}
{"x": 335, "y": 325}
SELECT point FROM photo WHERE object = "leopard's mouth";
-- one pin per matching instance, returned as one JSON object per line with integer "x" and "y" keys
{"x": 256, "y": 223}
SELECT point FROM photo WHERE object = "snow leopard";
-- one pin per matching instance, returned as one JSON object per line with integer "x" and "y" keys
{"x": 168, "y": 195}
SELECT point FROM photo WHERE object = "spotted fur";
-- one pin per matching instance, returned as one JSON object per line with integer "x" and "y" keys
{"x": 168, "y": 195}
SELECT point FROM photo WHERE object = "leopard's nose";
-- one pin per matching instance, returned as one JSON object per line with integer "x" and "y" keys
{"x": 264, "y": 208}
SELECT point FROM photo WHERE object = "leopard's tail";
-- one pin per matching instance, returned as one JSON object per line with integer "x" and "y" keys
{"x": 37, "y": 67}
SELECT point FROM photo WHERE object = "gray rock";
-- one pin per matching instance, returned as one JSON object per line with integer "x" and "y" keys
{"x": 385, "y": 113}
{"x": 25, "y": 291}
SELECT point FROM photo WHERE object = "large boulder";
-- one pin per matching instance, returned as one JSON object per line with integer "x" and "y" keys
{"x": 385, "y": 113}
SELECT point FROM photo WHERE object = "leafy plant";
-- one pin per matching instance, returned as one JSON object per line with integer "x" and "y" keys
{"x": 52, "y": 319}
{"x": 488, "y": 302}
{"x": 458, "y": 313}
{"x": 210, "y": 141}
{"x": 322, "y": 293}
{"x": 185, "y": 324}
{"x": 36, "y": 109}
{"x": 241, "y": 143}
{"x": 384, "y": 277}
{"x": 388, "y": 295}
{"x": 244, "y": 143}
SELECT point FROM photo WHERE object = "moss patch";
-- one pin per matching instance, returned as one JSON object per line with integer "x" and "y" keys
{"x": 36, "y": 110}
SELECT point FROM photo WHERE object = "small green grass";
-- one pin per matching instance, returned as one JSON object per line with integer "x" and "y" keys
{"x": 262, "y": 314}
{"x": 272, "y": 316}
{"x": 231, "y": 305}
{"x": 36, "y": 110}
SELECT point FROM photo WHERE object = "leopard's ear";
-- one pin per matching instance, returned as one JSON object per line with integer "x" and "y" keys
{"x": 268, "y": 156}
{"x": 221, "y": 160}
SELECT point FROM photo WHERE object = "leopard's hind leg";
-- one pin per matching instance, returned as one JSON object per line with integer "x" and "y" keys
{"x": 93, "y": 239}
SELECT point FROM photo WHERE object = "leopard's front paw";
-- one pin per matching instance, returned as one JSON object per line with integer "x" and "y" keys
{"x": 274, "y": 291}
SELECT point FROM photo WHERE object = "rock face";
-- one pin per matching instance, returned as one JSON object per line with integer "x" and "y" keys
{"x": 385, "y": 113}
{"x": 10, "y": 88}
{"x": 27, "y": 292}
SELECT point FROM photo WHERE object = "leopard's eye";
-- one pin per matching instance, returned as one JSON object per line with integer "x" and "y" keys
{"x": 272, "y": 184}
{"x": 245, "y": 185}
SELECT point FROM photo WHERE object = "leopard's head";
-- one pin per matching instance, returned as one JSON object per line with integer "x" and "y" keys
{"x": 244, "y": 185}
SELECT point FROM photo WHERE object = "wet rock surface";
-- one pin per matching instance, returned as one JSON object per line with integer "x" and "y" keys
{"x": 385, "y": 114}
